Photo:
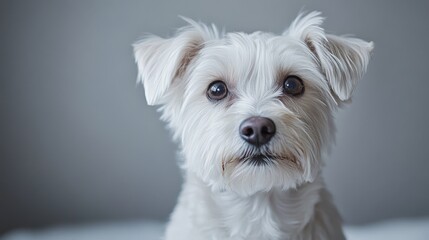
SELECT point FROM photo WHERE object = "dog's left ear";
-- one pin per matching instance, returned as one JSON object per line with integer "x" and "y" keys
{"x": 343, "y": 60}
{"x": 160, "y": 61}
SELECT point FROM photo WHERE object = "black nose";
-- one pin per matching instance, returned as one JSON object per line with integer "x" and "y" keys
{"x": 257, "y": 130}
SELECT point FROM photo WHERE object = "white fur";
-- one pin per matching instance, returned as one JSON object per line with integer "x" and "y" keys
{"x": 223, "y": 197}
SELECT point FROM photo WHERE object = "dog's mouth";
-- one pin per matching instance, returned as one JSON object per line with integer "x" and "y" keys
{"x": 261, "y": 159}
{"x": 257, "y": 159}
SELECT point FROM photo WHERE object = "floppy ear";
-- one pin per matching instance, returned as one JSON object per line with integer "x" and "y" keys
{"x": 160, "y": 61}
{"x": 343, "y": 60}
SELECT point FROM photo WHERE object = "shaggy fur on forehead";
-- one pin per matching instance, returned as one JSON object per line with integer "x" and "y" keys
{"x": 342, "y": 59}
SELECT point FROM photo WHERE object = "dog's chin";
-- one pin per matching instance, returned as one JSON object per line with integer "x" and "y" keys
{"x": 262, "y": 172}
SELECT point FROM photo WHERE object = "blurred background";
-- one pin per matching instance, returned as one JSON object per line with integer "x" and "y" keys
{"x": 78, "y": 143}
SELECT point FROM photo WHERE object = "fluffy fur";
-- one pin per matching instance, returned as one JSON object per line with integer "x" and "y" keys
{"x": 224, "y": 197}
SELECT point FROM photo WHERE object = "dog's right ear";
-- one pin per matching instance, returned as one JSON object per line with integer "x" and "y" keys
{"x": 160, "y": 60}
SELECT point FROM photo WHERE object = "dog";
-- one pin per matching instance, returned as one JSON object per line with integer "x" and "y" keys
{"x": 253, "y": 117}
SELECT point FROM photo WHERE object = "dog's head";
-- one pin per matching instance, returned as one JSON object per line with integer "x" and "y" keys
{"x": 251, "y": 111}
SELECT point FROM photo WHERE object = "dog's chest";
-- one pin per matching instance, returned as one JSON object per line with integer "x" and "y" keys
{"x": 274, "y": 215}
{"x": 268, "y": 215}
{"x": 255, "y": 216}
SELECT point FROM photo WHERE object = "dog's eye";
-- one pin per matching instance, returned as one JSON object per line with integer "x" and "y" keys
{"x": 293, "y": 85}
{"x": 217, "y": 91}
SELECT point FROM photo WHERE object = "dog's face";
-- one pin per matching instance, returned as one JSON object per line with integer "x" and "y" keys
{"x": 252, "y": 111}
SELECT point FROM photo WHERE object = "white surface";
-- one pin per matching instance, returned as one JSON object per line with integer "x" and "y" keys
{"x": 143, "y": 230}
{"x": 414, "y": 229}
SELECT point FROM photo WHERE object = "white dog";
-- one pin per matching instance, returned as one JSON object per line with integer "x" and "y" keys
{"x": 252, "y": 114}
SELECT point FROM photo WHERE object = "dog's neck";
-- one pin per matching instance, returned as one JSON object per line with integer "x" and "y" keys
{"x": 276, "y": 214}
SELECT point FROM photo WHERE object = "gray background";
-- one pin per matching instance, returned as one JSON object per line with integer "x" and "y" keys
{"x": 78, "y": 143}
